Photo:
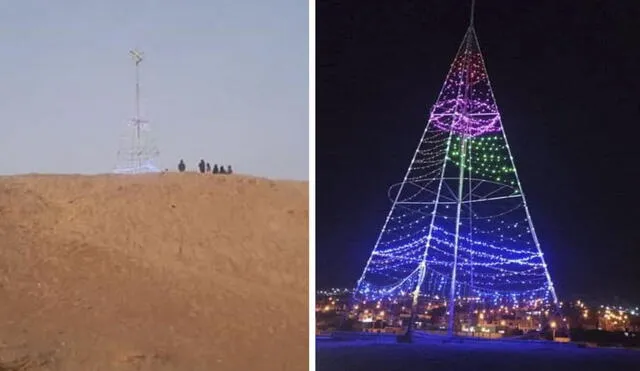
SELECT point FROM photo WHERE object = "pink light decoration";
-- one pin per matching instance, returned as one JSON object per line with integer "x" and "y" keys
{"x": 466, "y": 105}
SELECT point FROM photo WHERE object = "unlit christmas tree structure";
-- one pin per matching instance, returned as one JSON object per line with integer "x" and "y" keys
{"x": 137, "y": 152}
{"x": 459, "y": 225}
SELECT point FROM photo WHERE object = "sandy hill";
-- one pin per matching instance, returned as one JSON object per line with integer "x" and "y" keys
{"x": 153, "y": 272}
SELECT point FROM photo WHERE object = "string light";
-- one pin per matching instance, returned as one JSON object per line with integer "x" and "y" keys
{"x": 473, "y": 114}
{"x": 490, "y": 159}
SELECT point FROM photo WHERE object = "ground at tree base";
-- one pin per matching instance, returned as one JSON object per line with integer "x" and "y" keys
{"x": 354, "y": 355}
{"x": 153, "y": 272}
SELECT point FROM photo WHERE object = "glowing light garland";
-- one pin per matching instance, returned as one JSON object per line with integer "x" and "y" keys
{"x": 473, "y": 114}
{"x": 487, "y": 231}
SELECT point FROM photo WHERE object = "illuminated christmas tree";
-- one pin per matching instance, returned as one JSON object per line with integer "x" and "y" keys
{"x": 459, "y": 225}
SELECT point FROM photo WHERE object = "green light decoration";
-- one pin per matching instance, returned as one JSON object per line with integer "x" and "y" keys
{"x": 487, "y": 158}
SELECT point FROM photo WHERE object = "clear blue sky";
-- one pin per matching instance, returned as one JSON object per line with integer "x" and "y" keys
{"x": 226, "y": 80}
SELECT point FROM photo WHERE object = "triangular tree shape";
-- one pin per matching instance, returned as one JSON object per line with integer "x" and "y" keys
{"x": 459, "y": 225}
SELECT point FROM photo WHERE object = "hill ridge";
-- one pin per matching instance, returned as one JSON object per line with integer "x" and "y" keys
{"x": 211, "y": 271}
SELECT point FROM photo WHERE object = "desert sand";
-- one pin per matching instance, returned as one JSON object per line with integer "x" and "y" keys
{"x": 173, "y": 271}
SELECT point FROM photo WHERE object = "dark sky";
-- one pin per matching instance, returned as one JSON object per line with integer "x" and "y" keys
{"x": 566, "y": 79}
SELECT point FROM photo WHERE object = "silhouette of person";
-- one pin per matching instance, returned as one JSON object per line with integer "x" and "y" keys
{"x": 208, "y": 167}
{"x": 181, "y": 166}
{"x": 229, "y": 171}
{"x": 201, "y": 166}
{"x": 215, "y": 169}
{"x": 222, "y": 169}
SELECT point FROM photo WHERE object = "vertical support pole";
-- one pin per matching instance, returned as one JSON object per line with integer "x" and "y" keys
{"x": 452, "y": 292}
{"x": 470, "y": 207}
{"x": 463, "y": 151}
{"x": 137, "y": 119}
{"x": 137, "y": 57}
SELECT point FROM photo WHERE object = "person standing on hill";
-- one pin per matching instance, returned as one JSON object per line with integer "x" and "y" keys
{"x": 215, "y": 169}
{"x": 229, "y": 171}
{"x": 222, "y": 169}
{"x": 201, "y": 166}
{"x": 181, "y": 166}
{"x": 208, "y": 168}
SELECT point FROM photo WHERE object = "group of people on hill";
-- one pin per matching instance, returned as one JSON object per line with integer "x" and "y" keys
{"x": 205, "y": 167}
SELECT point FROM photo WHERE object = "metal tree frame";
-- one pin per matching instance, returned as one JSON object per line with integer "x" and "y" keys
{"x": 137, "y": 151}
{"x": 459, "y": 221}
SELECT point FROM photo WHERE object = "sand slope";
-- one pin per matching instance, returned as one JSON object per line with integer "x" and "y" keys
{"x": 153, "y": 272}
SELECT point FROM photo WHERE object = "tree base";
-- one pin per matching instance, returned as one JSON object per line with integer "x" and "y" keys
{"x": 407, "y": 337}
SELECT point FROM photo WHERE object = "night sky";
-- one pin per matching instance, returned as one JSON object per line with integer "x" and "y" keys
{"x": 566, "y": 76}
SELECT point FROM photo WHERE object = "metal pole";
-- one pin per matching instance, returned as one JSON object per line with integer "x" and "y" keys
{"x": 137, "y": 119}
{"x": 137, "y": 57}
{"x": 452, "y": 291}
{"x": 463, "y": 149}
